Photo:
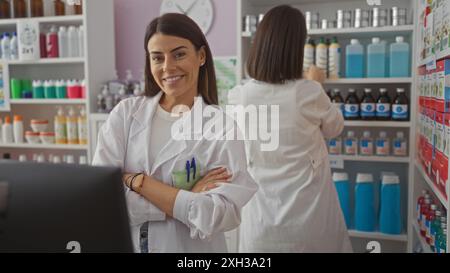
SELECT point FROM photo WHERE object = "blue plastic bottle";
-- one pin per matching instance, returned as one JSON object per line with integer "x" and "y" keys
{"x": 343, "y": 190}
{"x": 354, "y": 60}
{"x": 399, "y": 58}
{"x": 376, "y": 59}
{"x": 390, "y": 216}
{"x": 365, "y": 217}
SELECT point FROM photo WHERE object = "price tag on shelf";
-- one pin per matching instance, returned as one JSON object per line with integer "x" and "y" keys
{"x": 336, "y": 162}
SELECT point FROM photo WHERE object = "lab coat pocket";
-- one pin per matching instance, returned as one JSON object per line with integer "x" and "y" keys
{"x": 187, "y": 176}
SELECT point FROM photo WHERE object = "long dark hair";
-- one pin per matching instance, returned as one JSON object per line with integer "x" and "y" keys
{"x": 277, "y": 51}
{"x": 182, "y": 26}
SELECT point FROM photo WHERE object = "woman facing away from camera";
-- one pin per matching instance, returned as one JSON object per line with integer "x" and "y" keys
{"x": 183, "y": 191}
{"x": 296, "y": 208}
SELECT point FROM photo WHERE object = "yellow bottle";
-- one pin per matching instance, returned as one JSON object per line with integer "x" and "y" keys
{"x": 334, "y": 59}
{"x": 82, "y": 127}
{"x": 72, "y": 130}
{"x": 60, "y": 127}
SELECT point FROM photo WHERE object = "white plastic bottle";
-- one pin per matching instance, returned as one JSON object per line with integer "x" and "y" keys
{"x": 309, "y": 53}
{"x": 83, "y": 160}
{"x": 72, "y": 36}
{"x": 382, "y": 145}
{"x": 351, "y": 144}
{"x": 56, "y": 159}
{"x": 335, "y": 146}
{"x": 81, "y": 41}
{"x": 322, "y": 55}
{"x": 72, "y": 128}
{"x": 6, "y": 46}
{"x": 334, "y": 59}
{"x": 63, "y": 42}
{"x": 14, "y": 47}
{"x": 18, "y": 129}
{"x": 22, "y": 158}
{"x": 366, "y": 144}
{"x": 82, "y": 127}
{"x": 400, "y": 145}
{"x": 7, "y": 131}
{"x": 70, "y": 159}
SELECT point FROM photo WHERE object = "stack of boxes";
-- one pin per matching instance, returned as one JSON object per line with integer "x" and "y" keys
{"x": 434, "y": 122}
{"x": 435, "y": 34}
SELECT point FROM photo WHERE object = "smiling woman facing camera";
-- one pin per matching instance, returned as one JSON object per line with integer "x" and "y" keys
{"x": 184, "y": 192}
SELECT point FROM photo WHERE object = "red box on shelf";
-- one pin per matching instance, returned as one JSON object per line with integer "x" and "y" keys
{"x": 442, "y": 98}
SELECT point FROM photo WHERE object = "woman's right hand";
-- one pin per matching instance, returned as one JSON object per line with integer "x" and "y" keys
{"x": 315, "y": 74}
{"x": 208, "y": 182}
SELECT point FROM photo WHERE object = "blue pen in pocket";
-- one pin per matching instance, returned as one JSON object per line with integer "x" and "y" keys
{"x": 194, "y": 166}
{"x": 188, "y": 169}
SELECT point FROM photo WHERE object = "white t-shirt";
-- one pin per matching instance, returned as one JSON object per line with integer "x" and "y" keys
{"x": 162, "y": 122}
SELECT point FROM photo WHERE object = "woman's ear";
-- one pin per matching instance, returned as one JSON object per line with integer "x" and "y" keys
{"x": 202, "y": 55}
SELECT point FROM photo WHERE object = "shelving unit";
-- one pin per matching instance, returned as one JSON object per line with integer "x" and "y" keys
{"x": 421, "y": 180}
{"x": 404, "y": 166}
{"x": 96, "y": 67}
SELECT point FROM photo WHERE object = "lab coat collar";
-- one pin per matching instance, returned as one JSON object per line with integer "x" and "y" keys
{"x": 144, "y": 117}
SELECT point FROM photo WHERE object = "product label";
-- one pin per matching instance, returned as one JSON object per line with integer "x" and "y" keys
{"x": 400, "y": 111}
{"x": 367, "y": 110}
{"x": 321, "y": 58}
{"x": 366, "y": 147}
{"x": 339, "y": 106}
{"x": 383, "y": 110}
{"x": 350, "y": 147}
{"x": 382, "y": 147}
{"x": 308, "y": 58}
{"x": 400, "y": 148}
{"x": 334, "y": 146}
{"x": 334, "y": 62}
{"x": 351, "y": 110}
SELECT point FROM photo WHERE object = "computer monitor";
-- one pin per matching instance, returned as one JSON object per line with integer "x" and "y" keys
{"x": 62, "y": 208}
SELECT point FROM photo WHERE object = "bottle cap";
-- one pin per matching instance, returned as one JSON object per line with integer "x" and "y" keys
{"x": 383, "y": 134}
{"x": 70, "y": 159}
{"x": 18, "y": 118}
{"x": 339, "y": 177}
{"x": 354, "y": 41}
{"x": 376, "y": 40}
{"x": 367, "y": 90}
{"x": 56, "y": 159}
{"x": 383, "y": 90}
{"x": 83, "y": 160}
{"x": 400, "y": 90}
{"x": 7, "y": 119}
{"x": 41, "y": 158}
{"x": 364, "y": 178}
{"x": 351, "y": 90}
{"x": 390, "y": 179}
{"x": 22, "y": 158}
{"x": 336, "y": 90}
{"x": 399, "y": 39}
{"x": 400, "y": 135}
{"x": 366, "y": 134}
{"x": 350, "y": 134}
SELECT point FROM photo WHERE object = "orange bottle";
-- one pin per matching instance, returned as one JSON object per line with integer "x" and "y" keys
{"x": 5, "y": 8}
{"x": 20, "y": 9}
{"x": 37, "y": 8}
{"x": 78, "y": 9}
{"x": 60, "y": 8}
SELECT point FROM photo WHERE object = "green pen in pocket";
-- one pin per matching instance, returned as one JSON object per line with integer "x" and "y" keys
{"x": 180, "y": 178}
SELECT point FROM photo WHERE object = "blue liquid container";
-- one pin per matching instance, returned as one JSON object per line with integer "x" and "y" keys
{"x": 399, "y": 58}
{"x": 342, "y": 185}
{"x": 390, "y": 216}
{"x": 376, "y": 59}
{"x": 365, "y": 218}
{"x": 354, "y": 60}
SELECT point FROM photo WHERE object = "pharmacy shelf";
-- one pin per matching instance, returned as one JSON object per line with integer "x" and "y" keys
{"x": 389, "y": 159}
{"x": 99, "y": 116}
{"x": 48, "y": 101}
{"x": 361, "y": 32}
{"x": 369, "y": 123}
{"x": 47, "y": 61}
{"x": 433, "y": 187}
{"x": 69, "y": 19}
{"x": 368, "y": 31}
{"x": 425, "y": 247}
{"x": 43, "y": 146}
{"x": 378, "y": 236}
{"x": 369, "y": 81}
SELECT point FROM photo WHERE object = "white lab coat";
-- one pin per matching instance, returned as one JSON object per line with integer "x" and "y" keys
{"x": 200, "y": 219}
{"x": 296, "y": 208}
